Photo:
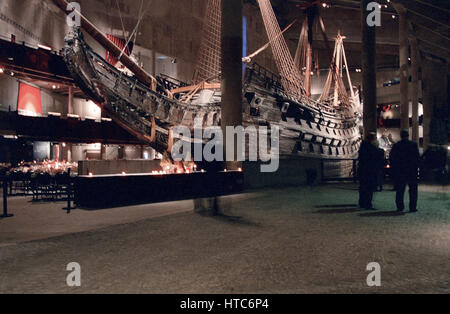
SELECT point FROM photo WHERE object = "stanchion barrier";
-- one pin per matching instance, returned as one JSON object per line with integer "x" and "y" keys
{"x": 5, "y": 199}
{"x": 69, "y": 192}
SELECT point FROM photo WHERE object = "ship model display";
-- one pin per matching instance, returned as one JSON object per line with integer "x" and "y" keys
{"x": 150, "y": 107}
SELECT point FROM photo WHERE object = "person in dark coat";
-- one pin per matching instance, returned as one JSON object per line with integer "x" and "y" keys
{"x": 380, "y": 163}
{"x": 367, "y": 171}
{"x": 405, "y": 162}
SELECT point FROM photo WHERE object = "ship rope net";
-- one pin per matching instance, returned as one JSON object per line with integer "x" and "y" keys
{"x": 300, "y": 59}
{"x": 291, "y": 78}
{"x": 209, "y": 57}
{"x": 209, "y": 60}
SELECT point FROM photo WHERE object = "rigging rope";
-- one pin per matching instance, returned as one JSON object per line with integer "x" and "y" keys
{"x": 134, "y": 33}
{"x": 257, "y": 52}
{"x": 291, "y": 78}
{"x": 209, "y": 58}
{"x": 301, "y": 53}
{"x": 121, "y": 20}
{"x": 335, "y": 76}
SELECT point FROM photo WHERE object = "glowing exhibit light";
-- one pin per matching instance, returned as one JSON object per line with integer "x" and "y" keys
{"x": 44, "y": 47}
{"x": 2, "y": 71}
{"x": 91, "y": 174}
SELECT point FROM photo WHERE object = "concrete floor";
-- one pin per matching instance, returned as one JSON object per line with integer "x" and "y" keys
{"x": 295, "y": 240}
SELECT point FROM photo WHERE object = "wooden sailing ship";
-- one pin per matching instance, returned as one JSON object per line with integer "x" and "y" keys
{"x": 151, "y": 107}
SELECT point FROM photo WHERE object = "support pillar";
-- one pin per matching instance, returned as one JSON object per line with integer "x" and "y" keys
{"x": 415, "y": 89}
{"x": 103, "y": 152}
{"x": 121, "y": 152}
{"x": 369, "y": 72}
{"x": 435, "y": 102}
{"x": 231, "y": 69}
{"x": 153, "y": 51}
{"x": 70, "y": 101}
{"x": 404, "y": 55}
{"x": 66, "y": 152}
{"x": 428, "y": 103}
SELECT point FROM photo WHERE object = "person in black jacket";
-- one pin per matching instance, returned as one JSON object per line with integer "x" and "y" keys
{"x": 405, "y": 162}
{"x": 381, "y": 162}
{"x": 367, "y": 171}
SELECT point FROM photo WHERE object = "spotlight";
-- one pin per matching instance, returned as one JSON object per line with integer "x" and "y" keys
{"x": 45, "y": 47}
{"x": 2, "y": 71}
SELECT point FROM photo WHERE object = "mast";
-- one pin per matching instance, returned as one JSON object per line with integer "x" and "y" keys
{"x": 309, "y": 53}
{"x": 304, "y": 53}
{"x": 92, "y": 30}
{"x": 311, "y": 13}
{"x": 336, "y": 77}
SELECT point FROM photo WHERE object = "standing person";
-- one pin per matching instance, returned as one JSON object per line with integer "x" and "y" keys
{"x": 380, "y": 163}
{"x": 367, "y": 171}
{"x": 405, "y": 161}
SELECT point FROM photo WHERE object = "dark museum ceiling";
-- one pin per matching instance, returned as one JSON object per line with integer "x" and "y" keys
{"x": 429, "y": 22}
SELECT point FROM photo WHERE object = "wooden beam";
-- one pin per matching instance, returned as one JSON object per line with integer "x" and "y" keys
{"x": 188, "y": 89}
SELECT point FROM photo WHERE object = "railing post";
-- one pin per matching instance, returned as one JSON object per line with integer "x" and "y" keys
{"x": 69, "y": 192}
{"x": 5, "y": 199}
{"x": 322, "y": 170}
